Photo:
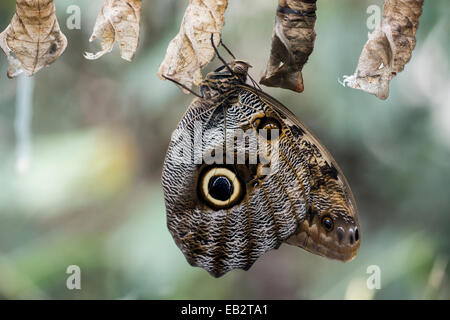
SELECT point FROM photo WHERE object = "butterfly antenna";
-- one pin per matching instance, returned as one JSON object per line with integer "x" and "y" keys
{"x": 219, "y": 56}
{"x": 227, "y": 50}
{"x": 182, "y": 86}
{"x": 255, "y": 84}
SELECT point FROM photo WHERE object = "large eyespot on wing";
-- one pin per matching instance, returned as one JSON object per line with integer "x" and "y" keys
{"x": 225, "y": 217}
{"x": 220, "y": 187}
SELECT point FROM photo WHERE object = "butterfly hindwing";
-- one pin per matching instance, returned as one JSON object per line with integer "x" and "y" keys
{"x": 323, "y": 185}
{"x": 225, "y": 207}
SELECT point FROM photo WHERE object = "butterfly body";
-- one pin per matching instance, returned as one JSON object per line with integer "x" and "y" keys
{"x": 250, "y": 178}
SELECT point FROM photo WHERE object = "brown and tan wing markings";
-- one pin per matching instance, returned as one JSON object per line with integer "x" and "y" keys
{"x": 292, "y": 121}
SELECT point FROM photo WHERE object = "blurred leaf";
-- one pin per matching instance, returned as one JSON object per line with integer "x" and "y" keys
{"x": 117, "y": 21}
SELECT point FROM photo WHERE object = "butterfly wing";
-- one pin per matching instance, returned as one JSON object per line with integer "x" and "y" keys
{"x": 226, "y": 215}
{"x": 331, "y": 227}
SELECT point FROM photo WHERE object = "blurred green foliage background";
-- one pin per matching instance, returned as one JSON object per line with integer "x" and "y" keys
{"x": 92, "y": 195}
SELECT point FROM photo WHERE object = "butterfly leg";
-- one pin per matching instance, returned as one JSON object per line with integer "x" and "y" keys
{"x": 219, "y": 56}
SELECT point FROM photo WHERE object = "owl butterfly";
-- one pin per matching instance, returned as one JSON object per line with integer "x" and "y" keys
{"x": 243, "y": 175}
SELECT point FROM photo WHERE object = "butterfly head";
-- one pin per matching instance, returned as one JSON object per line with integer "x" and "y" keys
{"x": 225, "y": 78}
{"x": 334, "y": 233}
{"x": 240, "y": 69}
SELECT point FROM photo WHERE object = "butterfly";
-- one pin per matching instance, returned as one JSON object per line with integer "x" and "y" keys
{"x": 242, "y": 175}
